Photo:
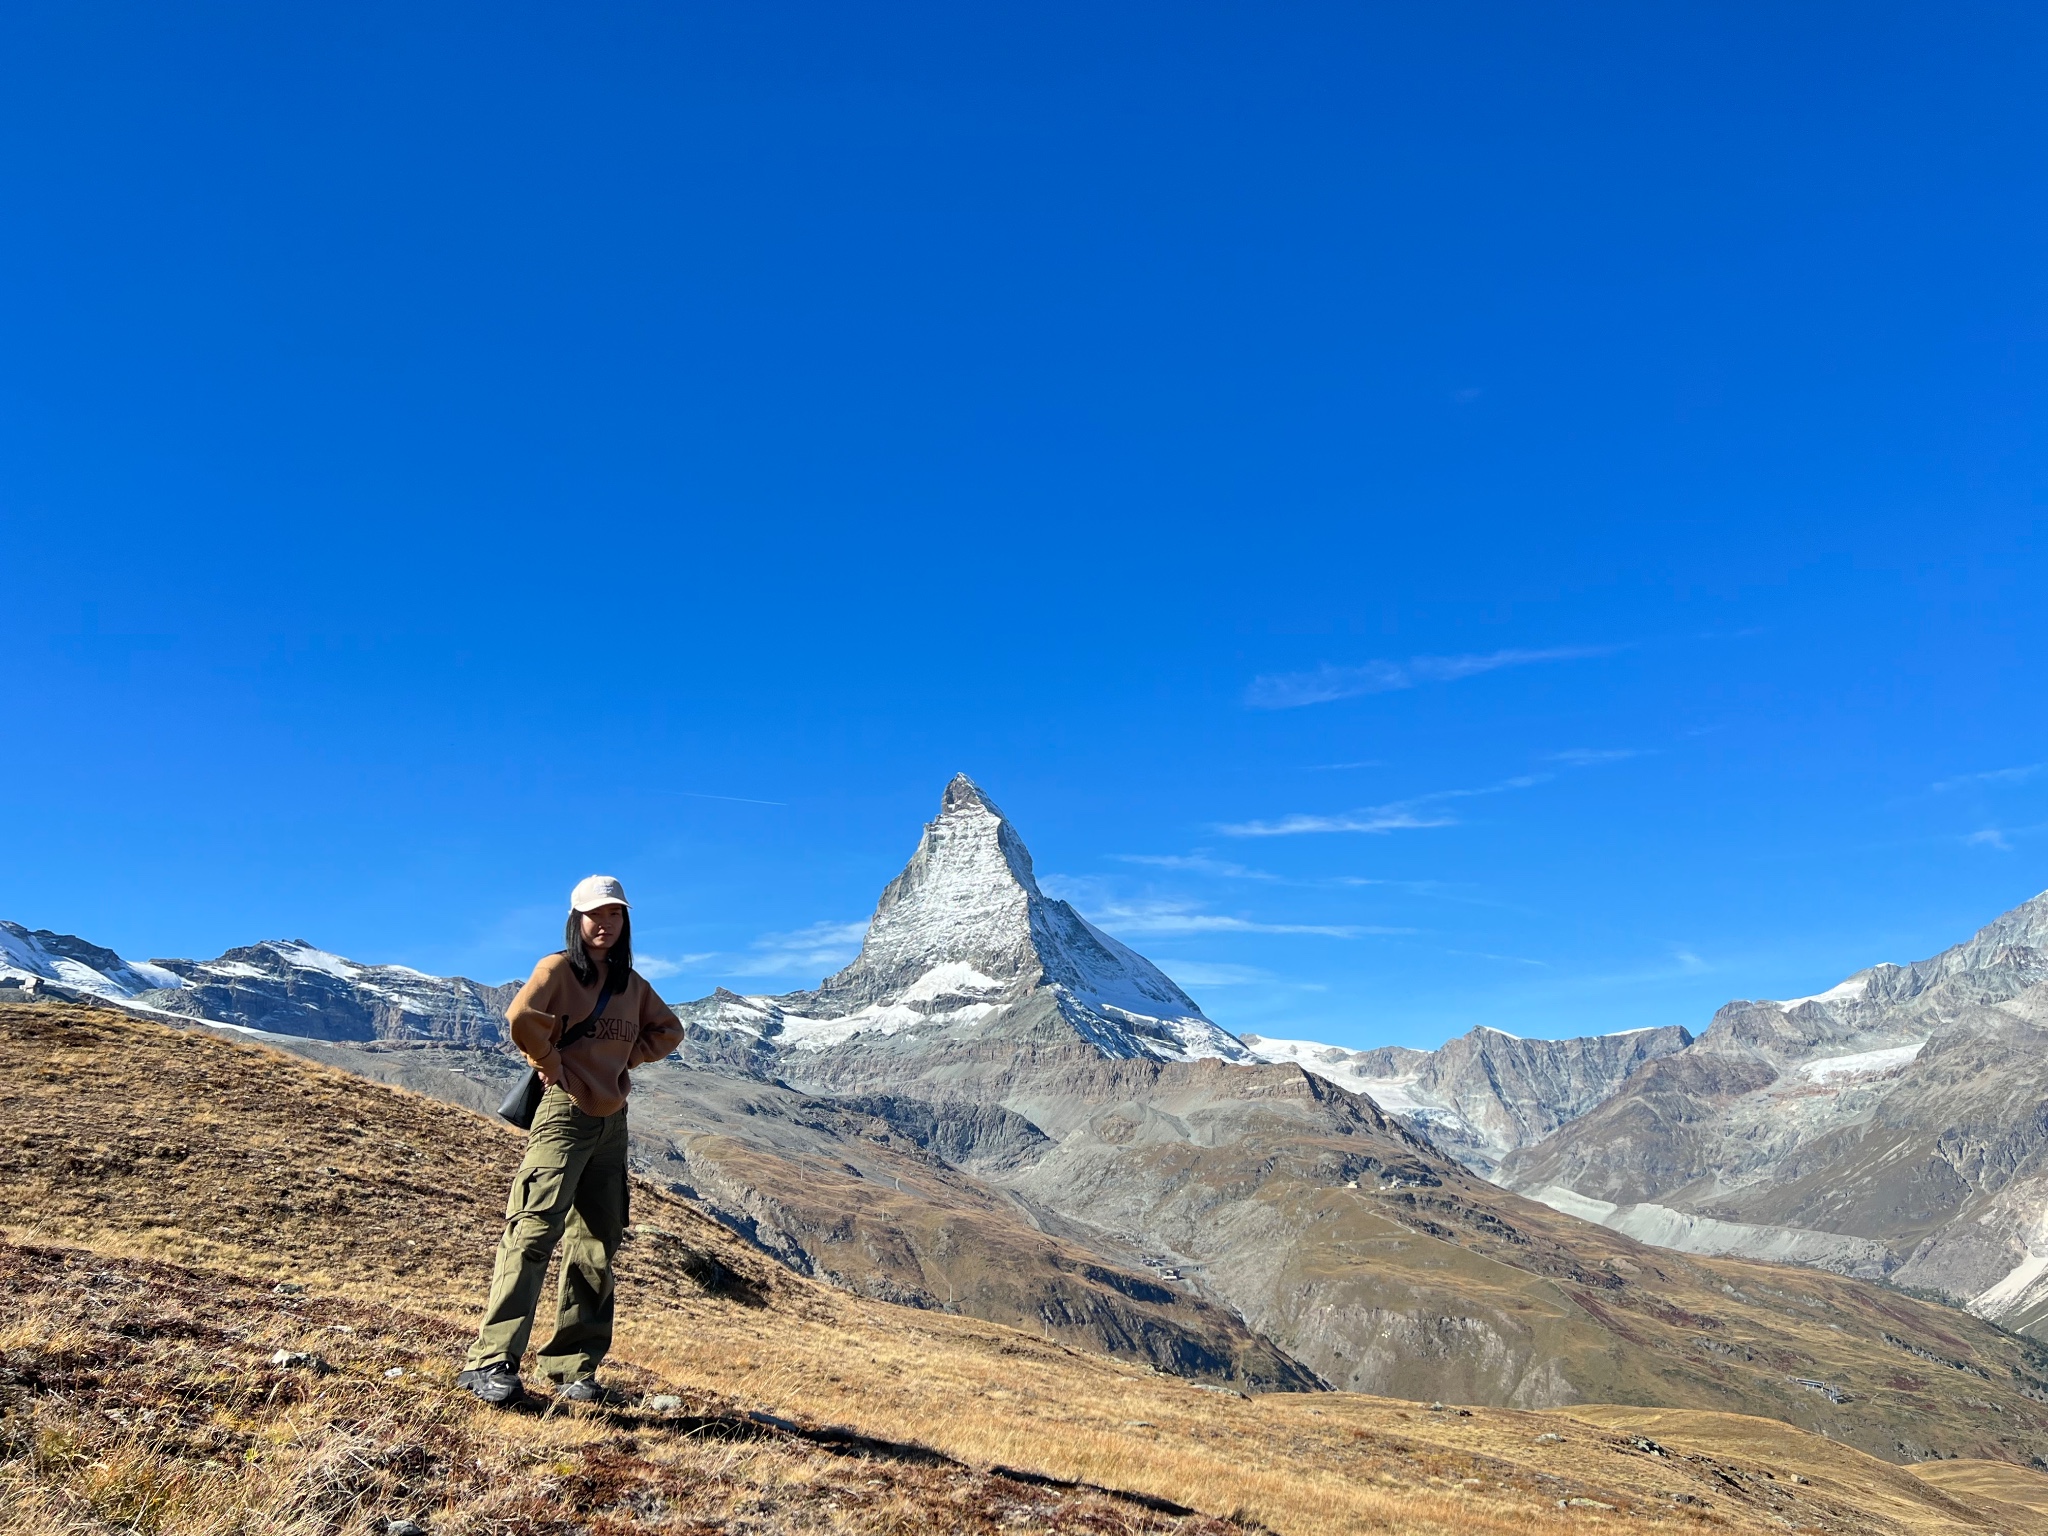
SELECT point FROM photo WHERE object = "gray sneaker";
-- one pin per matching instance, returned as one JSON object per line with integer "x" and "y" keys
{"x": 496, "y": 1384}
{"x": 585, "y": 1391}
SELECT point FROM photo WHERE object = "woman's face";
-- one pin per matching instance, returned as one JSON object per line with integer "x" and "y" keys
{"x": 601, "y": 929}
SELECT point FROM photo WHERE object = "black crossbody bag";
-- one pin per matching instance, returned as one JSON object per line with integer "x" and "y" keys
{"x": 523, "y": 1102}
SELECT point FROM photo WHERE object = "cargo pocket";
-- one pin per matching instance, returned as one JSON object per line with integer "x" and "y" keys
{"x": 537, "y": 1191}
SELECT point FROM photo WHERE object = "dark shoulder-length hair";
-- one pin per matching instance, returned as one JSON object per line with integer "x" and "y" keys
{"x": 618, "y": 964}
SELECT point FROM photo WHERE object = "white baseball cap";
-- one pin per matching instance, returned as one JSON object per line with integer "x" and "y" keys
{"x": 594, "y": 891}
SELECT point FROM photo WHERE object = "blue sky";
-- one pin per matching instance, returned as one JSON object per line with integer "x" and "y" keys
{"x": 1424, "y": 516}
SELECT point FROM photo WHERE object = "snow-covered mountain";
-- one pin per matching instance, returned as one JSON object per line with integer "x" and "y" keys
{"x": 1484, "y": 1094}
{"x": 62, "y": 965}
{"x": 281, "y": 987}
{"x": 963, "y": 935}
{"x": 288, "y": 987}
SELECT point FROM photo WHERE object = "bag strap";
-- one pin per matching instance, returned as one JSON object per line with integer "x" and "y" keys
{"x": 571, "y": 1035}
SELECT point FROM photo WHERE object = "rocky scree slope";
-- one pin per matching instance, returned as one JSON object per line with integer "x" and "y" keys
{"x": 1894, "y": 1126}
{"x": 1387, "y": 1269}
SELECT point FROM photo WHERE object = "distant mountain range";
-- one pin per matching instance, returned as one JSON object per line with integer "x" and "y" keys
{"x": 280, "y": 987}
{"x": 999, "y": 1109}
{"x": 1894, "y": 1126}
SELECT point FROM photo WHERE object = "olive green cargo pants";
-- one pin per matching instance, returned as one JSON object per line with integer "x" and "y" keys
{"x": 572, "y": 1182}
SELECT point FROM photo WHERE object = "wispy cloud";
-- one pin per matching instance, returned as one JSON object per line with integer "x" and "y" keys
{"x": 1420, "y": 887}
{"x": 1197, "y": 863}
{"x": 1588, "y": 757}
{"x": 807, "y": 952}
{"x": 692, "y": 794}
{"x": 661, "y": 967}
{"x": 1328, "y": 683}
{"x": 1420, "y": 811}
{"x": 1460, "y": 892}
{"x": 811, "y": 951}
{"x": 1994, "y": 776}
{"x": 1381, "y": 818}
{"x": 1171, "y": 915}
{"x": 1681, "y": 964}
{"x": 1209, "y": 973}
{"x": 1185, "y": 917}
{"x": 2001, "y": 838}
{"x": 1366, "y": 762}
{"x": 1482, "y": 954}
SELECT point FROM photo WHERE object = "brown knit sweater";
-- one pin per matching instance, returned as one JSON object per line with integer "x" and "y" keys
{"x": 637, "y": 1027}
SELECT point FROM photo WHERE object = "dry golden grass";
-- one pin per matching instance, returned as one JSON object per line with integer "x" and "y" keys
{"x": 1995, "y": 1482}
{"x": 154, "y": 1144}
{"x": 145, "y": 1398}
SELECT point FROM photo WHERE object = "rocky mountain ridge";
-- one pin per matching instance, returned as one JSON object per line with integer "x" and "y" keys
{"x": 34, "y": 961}
{"x": 1894, "y": 1126}
{"x": 280, "y": 987}
{"x": 1402, "y": 1269}
{"x": 1486, "y": 1093}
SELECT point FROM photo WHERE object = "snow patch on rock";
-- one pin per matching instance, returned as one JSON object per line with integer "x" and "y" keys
{"x": 303, "y": 955}
{"x": 1397, "y": 1095}
{"x": 953, "y": 979}
{"x": 1852, "y": 990}
{"x": 819, "y": 1034}
{"x": 1860, "y": 1063}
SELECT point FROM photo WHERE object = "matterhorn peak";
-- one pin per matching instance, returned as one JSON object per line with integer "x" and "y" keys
{"x": 964, "y": 899}
{"x": 962, "y": 793}
{"x": 964, "y": 932}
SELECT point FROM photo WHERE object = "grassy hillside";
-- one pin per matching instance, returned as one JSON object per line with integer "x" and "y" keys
{"x": 151, "y": 1397}
{"x": 161, "y": 1184}
{"x": 844, "y": 1197}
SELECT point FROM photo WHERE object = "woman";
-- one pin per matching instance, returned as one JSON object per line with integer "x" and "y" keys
{"x": 574, "y": 1172}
